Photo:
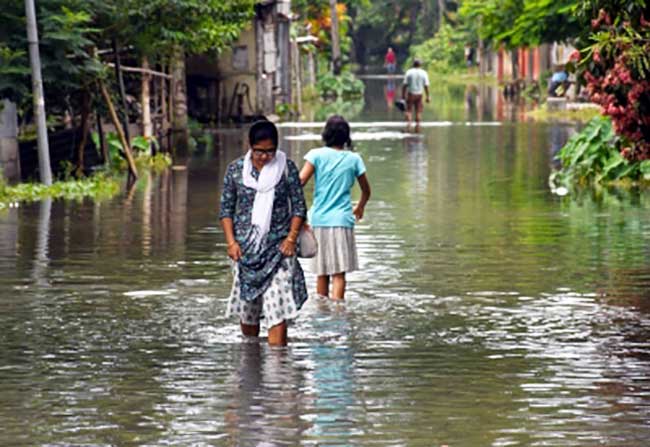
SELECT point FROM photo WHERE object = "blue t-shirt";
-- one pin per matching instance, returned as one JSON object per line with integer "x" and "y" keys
{"x": 335, "y": 172}
{"x": 559, "y": 76}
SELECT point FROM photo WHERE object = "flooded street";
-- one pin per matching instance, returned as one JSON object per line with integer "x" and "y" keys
{"x": 487, "y": 310}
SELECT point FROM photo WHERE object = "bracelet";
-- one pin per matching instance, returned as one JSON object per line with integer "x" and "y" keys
{"x": 293, "y": 241}
{"x": 232, "y": 243}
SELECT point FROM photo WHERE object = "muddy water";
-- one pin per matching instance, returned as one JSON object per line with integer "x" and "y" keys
{"x": 487, "y": 310}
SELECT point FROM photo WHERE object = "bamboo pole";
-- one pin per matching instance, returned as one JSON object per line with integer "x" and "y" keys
{"x": 146, "y": 100}
{"x": 44, "y": 167}
{"x": 298, "y": 75}
{"x": 141, "y": 71}
{"x": 133, "y": 170}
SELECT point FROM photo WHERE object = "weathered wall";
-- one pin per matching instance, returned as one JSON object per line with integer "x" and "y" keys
{"x": 238, "y": 65}
{"x": 9, "y": 159}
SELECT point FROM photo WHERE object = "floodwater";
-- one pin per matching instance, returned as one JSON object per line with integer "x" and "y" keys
{"x": 487, "y": 312}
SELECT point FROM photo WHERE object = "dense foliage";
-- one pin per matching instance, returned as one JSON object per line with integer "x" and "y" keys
{"x": 66, "y": 33}
{"x": 70, "y": 30}
{"x": 517, "y": 23}
{"x": 345, "y": 86}
{"x": 616, "y": 64}
{"x": 443, "y": 53}
{"x": 592, "y": 157}
{"x": 370, "y": 27}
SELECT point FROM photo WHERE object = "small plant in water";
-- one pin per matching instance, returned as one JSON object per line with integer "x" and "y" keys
{"x": 99, "y": 186}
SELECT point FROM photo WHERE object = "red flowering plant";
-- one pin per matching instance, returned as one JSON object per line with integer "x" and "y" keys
{"x": 616, "y": 71}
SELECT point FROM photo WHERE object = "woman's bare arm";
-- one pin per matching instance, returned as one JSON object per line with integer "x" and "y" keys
{"x": 306, "y": 173}
{"x": 365, "y": 196}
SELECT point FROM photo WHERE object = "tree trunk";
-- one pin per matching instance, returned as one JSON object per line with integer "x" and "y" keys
{"x": 311, "y": 68}
{"x": 336, "y": 46}
{"x": 120, "y": 131}
{"x": 85, "y": 128}
{"x": 102, "y": 141}
{"x": 147, "y": 130}
{"x": 180, "y": 130}
{"x": 441, "y": 13}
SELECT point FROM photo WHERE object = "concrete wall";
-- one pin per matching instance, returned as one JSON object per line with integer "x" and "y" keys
{"x": 9, "y": 158}
{"x": 238, "y": 65}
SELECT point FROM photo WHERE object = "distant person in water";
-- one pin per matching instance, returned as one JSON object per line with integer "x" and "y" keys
{"x": 416, "y": 84}
{"x": 469, "y": 56}
{"x": 390, "y": 61}
{"x": 559, "y": 83}
{"x": 332, "y": 216}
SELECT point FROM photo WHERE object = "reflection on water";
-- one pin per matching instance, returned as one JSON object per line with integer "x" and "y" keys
{"x": 483, "y": 301}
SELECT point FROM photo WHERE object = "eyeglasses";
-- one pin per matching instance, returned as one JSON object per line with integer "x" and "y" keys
{"x": 261, "y": 152}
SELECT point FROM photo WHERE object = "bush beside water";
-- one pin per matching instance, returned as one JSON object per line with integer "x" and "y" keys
{"x": 103, "y": 184}
{"x": 592, "y": 157}
{"x": 344, "y": 86}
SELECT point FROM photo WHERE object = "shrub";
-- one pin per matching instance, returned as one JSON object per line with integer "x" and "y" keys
{"x": 592, "y": 157}
{"x": 344, "y": 86}
{"x": 616, "y": 69}
{"x": 443, "y": 53}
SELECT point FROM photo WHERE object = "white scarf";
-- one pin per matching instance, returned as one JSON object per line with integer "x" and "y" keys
{"x": 265, "y": 184}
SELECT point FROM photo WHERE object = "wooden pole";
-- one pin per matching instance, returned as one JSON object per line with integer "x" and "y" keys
{"x": 336, "y": 46}
{"x": 133, "y": 170}
{"x": 297, "y": 72}
{"x": 44, "y": 167}
{"x": 146, "y": 99}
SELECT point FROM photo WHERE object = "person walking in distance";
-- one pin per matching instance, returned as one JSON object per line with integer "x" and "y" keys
{"x": 332, "y": 215}
{"x": 416, "y": 84}
{"x": 390, "y": 61}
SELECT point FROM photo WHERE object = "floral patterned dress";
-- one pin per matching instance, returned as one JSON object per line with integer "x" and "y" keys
{"x": 258, "y": 270}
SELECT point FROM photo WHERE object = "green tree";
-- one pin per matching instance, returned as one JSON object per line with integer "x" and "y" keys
{"x": 517, "y": 23}
{"x": 66, "y": 32}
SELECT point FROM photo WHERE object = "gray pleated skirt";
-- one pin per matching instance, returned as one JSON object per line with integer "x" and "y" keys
{"x": 337, "y": 251}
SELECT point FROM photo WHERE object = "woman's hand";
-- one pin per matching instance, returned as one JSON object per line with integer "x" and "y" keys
{"x": 358, "y": 212}
{"x": 234, "y": 251}
{"x": 288, "y": 247}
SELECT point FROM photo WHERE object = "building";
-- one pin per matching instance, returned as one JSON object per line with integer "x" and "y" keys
{"x": 252, "y": 77}
{"x": 529, "y": 64}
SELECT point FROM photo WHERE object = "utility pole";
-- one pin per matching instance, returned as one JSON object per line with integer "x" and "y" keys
{"x": 336, "y": 46}
{"x": 37, "y": 92}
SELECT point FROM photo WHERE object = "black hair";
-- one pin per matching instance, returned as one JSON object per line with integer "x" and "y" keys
{"x": 337, "y": 132}
{"x": 263, "y": 130}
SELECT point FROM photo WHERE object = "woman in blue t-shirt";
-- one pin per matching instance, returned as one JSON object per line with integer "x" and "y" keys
{"x": 332, "y": 215}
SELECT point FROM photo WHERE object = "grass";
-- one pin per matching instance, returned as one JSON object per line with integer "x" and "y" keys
{"x": 580, "y": 115}
{"x": 462, "y": 77}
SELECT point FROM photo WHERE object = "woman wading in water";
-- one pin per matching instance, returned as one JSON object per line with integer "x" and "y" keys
{"x": 261, "y": 229}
